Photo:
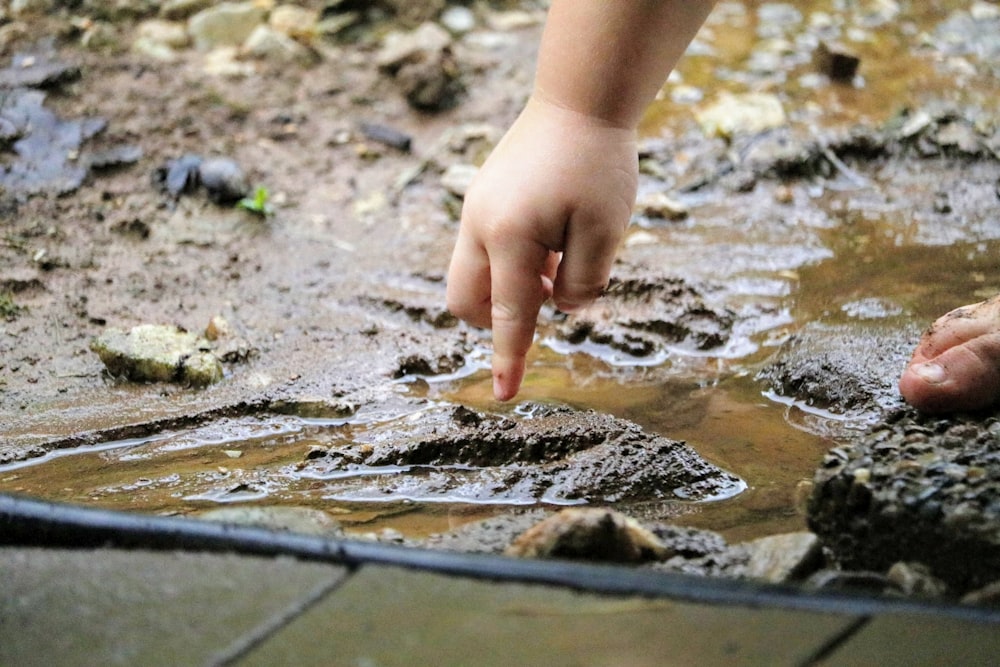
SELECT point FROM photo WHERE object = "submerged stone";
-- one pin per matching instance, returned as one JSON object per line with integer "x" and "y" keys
{"x": 848, "y": 370}
{"x": 304, "y": 520}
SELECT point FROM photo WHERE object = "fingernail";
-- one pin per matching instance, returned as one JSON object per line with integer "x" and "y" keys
{"x": 570, "y": 306}
{"x": 931, "y": 372}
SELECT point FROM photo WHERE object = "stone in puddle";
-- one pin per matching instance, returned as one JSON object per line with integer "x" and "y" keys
{"x": 158, "y": 353}
{"x": 850, "y": 370}
{"x": 749, "y": 113}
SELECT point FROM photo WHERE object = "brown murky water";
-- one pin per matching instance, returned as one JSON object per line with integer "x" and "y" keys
{"x": 712, "y": 403}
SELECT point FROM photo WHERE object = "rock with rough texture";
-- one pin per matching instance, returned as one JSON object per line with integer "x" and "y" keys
{"x": 225, "y": 24}
{"x": 590, "y": 533}
{"x": 158, "y": 353}
{"x": 915, "y": 489}
{"x": 401, "y": 48}
{"x": 423, "y": 66}
{"x": 783, "y": 558}
{"x": 916, "y": 580}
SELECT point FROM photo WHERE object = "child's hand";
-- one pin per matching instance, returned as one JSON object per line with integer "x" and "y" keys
{"x": 543, "y": 218}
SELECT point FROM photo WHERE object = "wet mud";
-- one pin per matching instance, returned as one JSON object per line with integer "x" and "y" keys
{"x": 915, "y": 489}
{"x": 556, "y": 456}
{"x": 760, "y": 323}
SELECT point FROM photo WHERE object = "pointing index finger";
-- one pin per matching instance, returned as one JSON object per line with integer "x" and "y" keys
{"x": 518, "y": 290}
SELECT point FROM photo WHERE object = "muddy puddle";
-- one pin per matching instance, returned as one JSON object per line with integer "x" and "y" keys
{"x": 875, "y": 243}
{"x": 772, "y": 443}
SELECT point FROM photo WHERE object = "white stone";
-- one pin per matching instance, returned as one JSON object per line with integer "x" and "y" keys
{"x": 265, "y": 42}
{"x": 424, "y": 43}
{"x": 748, "y": 113}
{"x": 458, "y": 177}
{"x": 155, "y": 50}
{"x": 659, "y": 205}
{"x": 458, "y": 19}
{"x": 225, "y": 24}
{"x": 223, "y": 62}
{"x": 295, "y": 21}
{"x": 169, "y": 33}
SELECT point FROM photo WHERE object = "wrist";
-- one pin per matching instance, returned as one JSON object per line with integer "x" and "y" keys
{"x": 577, "y": 113}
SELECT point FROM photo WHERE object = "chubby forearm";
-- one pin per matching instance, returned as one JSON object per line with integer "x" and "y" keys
{"x": 606, "y": 59}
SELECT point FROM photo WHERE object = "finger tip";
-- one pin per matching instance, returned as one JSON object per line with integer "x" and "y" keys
{"x": 501, "y": 392}
{"x": 507, "y": 380}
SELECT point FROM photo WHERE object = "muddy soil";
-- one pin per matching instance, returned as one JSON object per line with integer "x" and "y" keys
{"x": 338, "y": 293}
{"x": 334, "y": 301}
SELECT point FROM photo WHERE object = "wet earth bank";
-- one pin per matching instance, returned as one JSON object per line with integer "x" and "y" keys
{"x": 225, "y": 230}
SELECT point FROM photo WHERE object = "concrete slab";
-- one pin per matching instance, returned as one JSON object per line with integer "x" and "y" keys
{"x": 914, "y": 640}
{"x": 388, "y": 616}
{"x": 104, "y": 607}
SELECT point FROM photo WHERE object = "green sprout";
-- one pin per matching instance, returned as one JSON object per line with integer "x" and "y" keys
{"x": 258, "y": 203}
{"x": 8, "y": 309}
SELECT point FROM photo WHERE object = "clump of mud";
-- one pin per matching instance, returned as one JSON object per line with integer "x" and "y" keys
{"x": 553, "y": 455}
{"x": 915, "y": 489}
{"x": 843, "y": 369}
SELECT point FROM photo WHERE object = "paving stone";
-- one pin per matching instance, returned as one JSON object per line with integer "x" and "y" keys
{"x": 386, "y": 616}
{"x": 909, "y": 640}
{"x": 109, "y": 607}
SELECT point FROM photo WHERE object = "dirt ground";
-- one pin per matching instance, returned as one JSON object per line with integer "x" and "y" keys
{"x": 333, "y": 292}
